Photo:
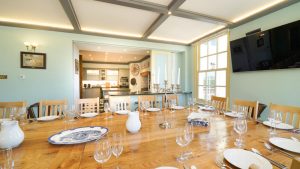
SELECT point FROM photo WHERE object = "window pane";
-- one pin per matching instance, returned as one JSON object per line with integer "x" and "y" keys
{"x": 221, "y": 78}
{"x": 210, "y": 92}
{"x": 202, "y": 78}
{"x": 203, "y": 63}
{"x": 222, "y": 60}
{"x": 222, "y": 43}
{"x": 201, "y": 92}
{"x": 221, "y": 91}
{"x": 203, "y": 49}
{"x": 212, "y": 62}
{"x": 212, "y": 46}
{"x": 211, "y": 78}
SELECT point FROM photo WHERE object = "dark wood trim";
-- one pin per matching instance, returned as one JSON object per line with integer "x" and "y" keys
{"x": 32, "y": 53}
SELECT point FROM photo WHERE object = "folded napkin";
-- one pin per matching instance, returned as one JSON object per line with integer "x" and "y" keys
{"x": 198, "y": 119}
{"x": 207, "y": 108}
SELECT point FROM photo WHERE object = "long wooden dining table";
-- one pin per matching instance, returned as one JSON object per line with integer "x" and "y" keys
{"x": 151, "y": 147}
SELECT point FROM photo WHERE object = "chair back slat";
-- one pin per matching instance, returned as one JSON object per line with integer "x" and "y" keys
{"x": 250, "y": 107}
{"x": 119, "y": 103}
{"x": 150, "y": 98}
{"x": 88, "y": 105}
{"x": 291, "y": 112}
{"x": 220, "y": 103}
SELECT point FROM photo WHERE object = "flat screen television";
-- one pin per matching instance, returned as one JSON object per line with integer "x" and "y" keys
{"x": 277, "y": 48}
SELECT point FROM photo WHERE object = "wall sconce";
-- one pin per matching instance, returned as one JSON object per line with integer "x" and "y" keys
{"x": 31, "y": 46}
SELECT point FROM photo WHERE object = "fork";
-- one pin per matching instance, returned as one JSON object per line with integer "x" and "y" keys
{"x": 221, "y": 164}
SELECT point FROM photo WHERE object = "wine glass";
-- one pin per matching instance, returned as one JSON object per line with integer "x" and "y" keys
{"x": 12, "y": 114}
{"x": 271, "y": 119}
{"x": 6, "y": 159}
{"x": 117, "y": 147}
{"x": 102, "y": 151}
{"x": 240, "y": 126}
{"x": 144, "y": 107}
{"x": 277, "y": 120}
{"x": 183, "y": 138}
{"x": 22, "y": 116}
{"x": 107, "y": 109}
{"x": 190, "y": 102}
{"x": 172, "y": 105}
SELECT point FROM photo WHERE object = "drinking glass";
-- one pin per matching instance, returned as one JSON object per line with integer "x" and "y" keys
{"x": 13, "y": 112}
{"x": 172, "y": 105}
{"x": 70, "y": 113}
{"x": 102, "y": 151}
{"x": 107, "y": 109}
{"x": 240, "y": 126}
{"x": 144, "y": 108}
{"x": 117, "y": 147}
{"x": 190, "y": 102}
{"x": 22, "y": 116}
{"x": 6, "y": 159}
{"x": 183, "y": 138}
{"x": 277, "y": 120}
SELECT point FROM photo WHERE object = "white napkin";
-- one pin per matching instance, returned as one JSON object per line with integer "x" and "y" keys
{"x": 195, "y": 115}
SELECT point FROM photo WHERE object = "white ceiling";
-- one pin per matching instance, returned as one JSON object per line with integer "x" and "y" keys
{"x": 231, "y": 10}
{"x": 183, "y": 30}
{"x": 34, "y": 12}
{"x": 160, "y": 2}
{"x": 112, "y": 19}
{"x": 106, "y": 18}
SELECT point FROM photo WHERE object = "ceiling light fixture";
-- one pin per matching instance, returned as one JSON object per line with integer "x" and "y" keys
{"x": 169, "y": 13}
{"x": 37, "y": 23}
{"x": 31, "y": 46}
{"x": 257, "y": 10}
{"x": 110, "y": 32}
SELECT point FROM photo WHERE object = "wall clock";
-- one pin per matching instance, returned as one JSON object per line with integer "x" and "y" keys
{"x": 135, "y": 69}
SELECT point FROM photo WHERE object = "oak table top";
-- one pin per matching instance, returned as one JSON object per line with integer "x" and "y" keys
{"x": 151, "y": 147}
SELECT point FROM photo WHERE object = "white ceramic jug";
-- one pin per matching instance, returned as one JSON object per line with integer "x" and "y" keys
{"x": 11, "y": 134}
{"x": 133, "y": 123}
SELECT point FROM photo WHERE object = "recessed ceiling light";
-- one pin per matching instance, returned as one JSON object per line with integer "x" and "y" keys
{"x": 148, "y": 51}
{"x": 169, "y": 12}
{"x": 37, "y": 23}
{"x": 257, "y": 10}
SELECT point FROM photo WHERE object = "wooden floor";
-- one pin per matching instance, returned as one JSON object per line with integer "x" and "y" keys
{"x": 151, "y": 147}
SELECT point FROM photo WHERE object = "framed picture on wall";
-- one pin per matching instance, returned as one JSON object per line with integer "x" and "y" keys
{"x": 33, "y": 60}
{"x": 76, "y": 66}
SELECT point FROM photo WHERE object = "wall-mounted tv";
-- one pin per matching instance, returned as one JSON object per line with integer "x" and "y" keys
{"x": 277, "y": 48}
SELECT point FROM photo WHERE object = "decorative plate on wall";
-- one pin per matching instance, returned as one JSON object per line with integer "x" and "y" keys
{"x": 135, "y": 69}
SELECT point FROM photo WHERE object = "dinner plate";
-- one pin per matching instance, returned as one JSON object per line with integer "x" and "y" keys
{"x": 207, "y": 108}
{"x": 122, "y": 111}
{"x": 166, "y": 167}
{"x": 88, "y": 115}
{"x": 178, "y": 107}
{"x": 287, "y": 144}
{"x": 78, "y": 135}
{"x": 243, "y": 159}
{"x": 153, "y": 109}
{"x": 47, "y": 118}
{"x": 231, "y": 114}
{"x": 282, "y": 126}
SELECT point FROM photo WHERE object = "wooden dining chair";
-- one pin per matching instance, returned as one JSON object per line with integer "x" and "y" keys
{"x": 90, "y": 105}
{"x": 119, "y": 103}
{"x": 290, "y": 114}
{"x": 220, "y": 103}
{"x": 6, "y": 108}
{"x": 248, "y": 107}
{"x": 51, "y": 107}
{"x": 170, "y": 97}
{"x": 150, "y": 98}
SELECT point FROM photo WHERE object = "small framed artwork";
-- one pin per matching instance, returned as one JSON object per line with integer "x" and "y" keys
{"x": 76, "y": 66}
{"x": 33, "y": 60}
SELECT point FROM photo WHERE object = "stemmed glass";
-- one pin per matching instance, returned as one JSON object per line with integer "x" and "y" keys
{"x": 183, "y": 138}
{"x": 144, "y": 108}
{"x": 172, "y": 105}
{"x": 22, "y": 116}
{"x": 271, "y": 119}
{"x": 107, "y": 109}
{"x": 6, "y": 159}
{"x": 102, "y": 151}
{"x": 240, "y": 126}
{"x": 277, "y": 120}
{"x": 190, "y": 103}
{"x": 117, "y": 147}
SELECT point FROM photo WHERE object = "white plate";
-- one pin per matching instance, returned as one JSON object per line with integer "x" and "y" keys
{"x": 282, "y": 126}
{"x": 122, "y": 111}
{"x": 166, "y": 167}
{"x": 207, "y": 108}
{"x": 5, "y": 119}
{"x": 178, "y": 107}
{"x": 88, "y": 115}
{"x": 153, "y": 109}
{"x": 243, "y": 159}
{"x": 47, "y": 118}
{"x": 231, "y": 114}
{"x": 287, "y": 144}
{"x": 78, "y": 135}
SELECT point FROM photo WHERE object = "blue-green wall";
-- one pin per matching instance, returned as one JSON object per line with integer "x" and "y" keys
{"x": 57, "y": 81}
{"x": 276, "y": 86}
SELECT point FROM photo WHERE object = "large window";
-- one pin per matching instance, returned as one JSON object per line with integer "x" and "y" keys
{"x": 212, "y": 71}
